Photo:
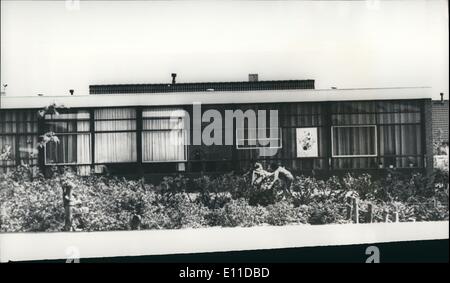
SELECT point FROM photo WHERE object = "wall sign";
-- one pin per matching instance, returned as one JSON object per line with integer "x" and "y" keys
{"x": 307, "y": 142}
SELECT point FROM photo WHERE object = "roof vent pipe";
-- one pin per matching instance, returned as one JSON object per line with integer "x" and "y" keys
{"x": 71, "y": 91}
{"x": 174, "y": 75}
{"x": 442, "y": 97}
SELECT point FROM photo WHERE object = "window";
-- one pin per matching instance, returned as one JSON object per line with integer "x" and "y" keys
{"x": 74, "y": 146}
{"x": 164, "y": 135}
{"x": 400, "y": 134}
{"x": 18, "y": 138}
{"x": 396, "y": 142}
{"x": 354, "y": 141}
{"x": 115, "y": 135}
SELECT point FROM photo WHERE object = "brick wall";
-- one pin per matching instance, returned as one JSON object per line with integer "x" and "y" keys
{"x": 428, "y": 134}
{"x": 440, "y": 119}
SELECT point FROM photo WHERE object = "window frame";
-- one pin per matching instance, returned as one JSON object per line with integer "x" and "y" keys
{"x": 96, "y": 133}
{"x": 183, "y": 130}
{"x": 333, "y": 155}
{"x": 71, "y": 133}
{"x": 69, "y": 163}
{"x": 25, "y": 124}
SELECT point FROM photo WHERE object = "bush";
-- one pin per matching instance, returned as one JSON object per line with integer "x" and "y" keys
{"x": 309, "y": 190}
{"x": 182, "y": 212}
{"x": 326, "y": 213}
{"x": 362, "y": 186}
{"x": 30, "y": 206}
{"x": 240, "y": 213}
{"x": 283, "y": 213}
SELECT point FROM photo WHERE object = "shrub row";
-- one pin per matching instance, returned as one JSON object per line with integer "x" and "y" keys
{"x": 30, "y": 202}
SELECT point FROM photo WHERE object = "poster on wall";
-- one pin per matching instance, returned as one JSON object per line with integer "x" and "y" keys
{"x": 307, "y": 142}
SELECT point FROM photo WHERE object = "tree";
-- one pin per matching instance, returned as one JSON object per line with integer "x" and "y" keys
{"x": 65, "y": 179}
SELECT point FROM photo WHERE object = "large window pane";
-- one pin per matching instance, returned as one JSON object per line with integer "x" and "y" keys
{"x": 164, "y": 135}
{"x": 18, "y": 138}
{"x": 115, "y": 137}
{"x": 71, "y": 149}
{"x": 72, "y": 130}
{"x": 354, "y": 141}
{"x": 115, "y": 147}
{"x": 400, "y": 140}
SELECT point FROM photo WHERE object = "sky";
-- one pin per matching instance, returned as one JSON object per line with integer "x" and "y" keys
{"x": 51, "y": 47}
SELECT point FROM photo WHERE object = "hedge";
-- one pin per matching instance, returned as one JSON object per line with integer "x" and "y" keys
{"x": 30, "y": 202}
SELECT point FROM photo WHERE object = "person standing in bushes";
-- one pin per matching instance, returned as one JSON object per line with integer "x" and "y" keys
{"x": 281, "y": 175}
{"x": 258, "y": 173}
{"x": 260, "y": 176}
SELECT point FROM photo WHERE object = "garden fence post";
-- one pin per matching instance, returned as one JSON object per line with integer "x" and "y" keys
{"x": 67, "y": 197}
{"x": 349, "y": 208}
{"x": 386, "y": 216}
{"x": 355, "y": 210}
{"x": 369, "y": 216}
{"x": 396, "y": 214}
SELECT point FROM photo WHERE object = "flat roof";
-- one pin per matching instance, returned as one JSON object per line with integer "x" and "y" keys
{"x": 216, "y": 97}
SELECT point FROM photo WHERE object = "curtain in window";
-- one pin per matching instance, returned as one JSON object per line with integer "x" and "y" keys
{"x": 354, "y": 145}
{"x": 18, "y": 136}
{"x": 83, "y": 148}
{"x": 354, "y": 141}
{"x": 72, "y": 130}
{"x": 401, "y": 140}
{"x": 164, "y": 135}
{"x": 115, "y": 138}
{"x": 399, "y": 133}
{"x": 64, "y": 152}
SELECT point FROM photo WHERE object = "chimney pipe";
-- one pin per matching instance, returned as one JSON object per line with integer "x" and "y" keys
{"x": 71, "y": 91}
{"x": 174, "y": 75}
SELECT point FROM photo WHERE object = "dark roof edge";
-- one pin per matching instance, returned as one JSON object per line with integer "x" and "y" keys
{"x": 214, "y": 82}
{"x": 201, "y": 86}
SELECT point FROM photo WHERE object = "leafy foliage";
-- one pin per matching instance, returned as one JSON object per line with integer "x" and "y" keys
{"x": 30, "y": 202}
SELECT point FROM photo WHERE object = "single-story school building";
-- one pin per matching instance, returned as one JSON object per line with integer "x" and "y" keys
{"x": 185, "y": 127}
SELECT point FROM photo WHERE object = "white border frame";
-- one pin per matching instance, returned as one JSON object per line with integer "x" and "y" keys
{"x": 47, "y": 246}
